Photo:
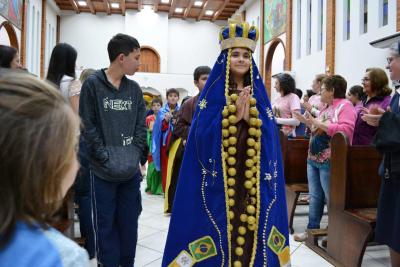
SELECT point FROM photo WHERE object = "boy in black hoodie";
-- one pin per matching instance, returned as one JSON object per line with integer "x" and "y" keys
{"x": 112, "y": 109}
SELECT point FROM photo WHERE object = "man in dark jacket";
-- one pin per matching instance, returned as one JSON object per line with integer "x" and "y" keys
{"x": 112, "y": 109}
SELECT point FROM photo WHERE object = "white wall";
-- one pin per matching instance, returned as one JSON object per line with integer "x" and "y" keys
{"x": 307, "y": 66}
{"x": 355, "y": 55}
{"x": 191, "y": 44}
{"x": 89, "y": 35}
{"x": 182, "y": 44}
{"x": 51, "y": 31}
{"x": 33, "y": 34}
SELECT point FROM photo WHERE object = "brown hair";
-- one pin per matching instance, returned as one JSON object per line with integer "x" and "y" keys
{"x": 379, "y": 82}
{"x": 38, "y": 136}
{"x": 320, "y": 77}
{"x": 85, "y": 74}
{"x": 172, "y": 91}
{"x": 337, "y": 84}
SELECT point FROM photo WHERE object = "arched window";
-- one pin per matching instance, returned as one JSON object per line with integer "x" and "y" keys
{"x": 12, "y": 36}
{"x": 150, "y": 60}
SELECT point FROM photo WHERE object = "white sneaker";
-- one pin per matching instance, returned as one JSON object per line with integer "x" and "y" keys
{"x": 301, "y": 237}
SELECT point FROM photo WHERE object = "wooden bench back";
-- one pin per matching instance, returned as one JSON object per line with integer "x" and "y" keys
{"x": 294, "y": 157}
{"x": 354, "y": 181}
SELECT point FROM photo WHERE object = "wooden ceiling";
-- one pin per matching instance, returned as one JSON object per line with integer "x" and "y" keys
{"x": 186, "y": 9}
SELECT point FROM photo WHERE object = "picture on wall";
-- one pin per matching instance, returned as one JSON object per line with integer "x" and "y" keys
{"x": 12, "y": 11}
{"x": 274, "y": 18}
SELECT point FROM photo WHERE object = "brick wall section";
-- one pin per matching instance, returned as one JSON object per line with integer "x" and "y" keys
{"x": 22, "y": 51}
{"x": 289, "y": 27}
{"x": 43, "y": 40}
{"x": 398, "y": 16}
{"x": 330, "y": 37}
{"x": 262, "y": 45}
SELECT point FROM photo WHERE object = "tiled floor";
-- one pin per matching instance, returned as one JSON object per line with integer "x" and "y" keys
{"x": 153, "y": 228}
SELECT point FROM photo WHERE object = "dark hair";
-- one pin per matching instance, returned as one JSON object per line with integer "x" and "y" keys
{"x": 320, "y": 77}
{"x": 7, "y": 54}
{"x": 379, "y": 82}
{"x": 185, "y": 99}
{"x": 33, "y": 164}
{"x": 337, "y": 84}
{"x": 121, "y": 44}
{"x": 62, "y": 62}
{"x": 156, "y": 100}
{"x": 201, "y": 70}
{"x": 299, "y": 93}
{"x": 286, "y": 83}
{"x": 310, "y": 93}
{"x": 358, "y": 91}
{"x": 172, "y": 91}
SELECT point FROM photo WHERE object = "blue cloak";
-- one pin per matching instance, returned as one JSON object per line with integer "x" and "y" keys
{"x": 198, "y": 233}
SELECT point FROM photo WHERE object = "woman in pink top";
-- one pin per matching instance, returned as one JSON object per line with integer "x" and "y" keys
{"x": 339, "y": 116}
{"x": 287, "y": 103}
{"x": 314, "y": 104}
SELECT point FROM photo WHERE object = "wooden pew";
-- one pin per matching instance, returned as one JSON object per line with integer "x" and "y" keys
{"x": 354, "y": 190}
{"x": 294, "y": 157}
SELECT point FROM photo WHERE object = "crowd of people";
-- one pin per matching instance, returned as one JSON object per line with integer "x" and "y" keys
{"x": 215, "y": 157}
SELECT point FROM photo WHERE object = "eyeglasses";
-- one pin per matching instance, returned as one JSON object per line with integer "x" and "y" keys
{"x": 365, "y": 79}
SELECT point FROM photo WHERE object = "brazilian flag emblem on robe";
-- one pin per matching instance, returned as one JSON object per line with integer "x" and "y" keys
{"x": 276, "y": 240}
{"x": 203, "y": 248}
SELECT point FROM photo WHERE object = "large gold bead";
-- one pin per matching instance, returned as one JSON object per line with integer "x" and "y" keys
{"x": 232, "y": 150}
{"x": 225, "y": 142}
{"x": 225, "y": 112}
{"x": 259, "y": 122}
{"x": 231, "y": 192}
{"x": 231, "y": 161}
{"x": 253, "y": 122}
{"x": 239, "y": 251}
{"x": 253, "y": 190}
{"x": 251, "y": 152}
{"x": 253, "y": 101}
{"x": 232, "y": 129}
{"x": 248, "y": 184}
{"x": 232, "y": 108}
{"x": 230, "y": 227}
{"x": 231, "y": 215}
{"x": 253, "y": 180}
{"x": 225, "y": 123}
{"x": 252, "y": 131}
{"x": 251, "y": 227}
{"x": 232, "y": 140}
{"x": 248, "y": 174}
{"x": 250, "y": 141}
{"x": 243, "y": 217}
{"x": 240, "y": 240}
{"x": 254, "y": 111}
{"x": 231, "y": 202}
{"x": 253, "y": 200}
{"x": 237, "y": 264}
{"x": 242, "y": 230}
{"x": 225, "y": 133}
{"x": 249, "y": 163}
{"x": 234, "y": 97}
{"x": 257, "y": 146}
{"x": 231, "y": 182}
{"x": 258, "y": 133}
{"x": 232, "y": 119}
{"x": 251, "y": 209}
{"x": 232, "y": 171}
{"x": 251, "y": 220}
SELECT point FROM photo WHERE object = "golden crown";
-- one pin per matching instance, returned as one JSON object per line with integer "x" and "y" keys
{"x": 238, "y": 34}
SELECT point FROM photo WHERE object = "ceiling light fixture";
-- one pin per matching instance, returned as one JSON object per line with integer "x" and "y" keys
{"x": 82, "y": 3}
{"x": 165, "y": 1}
{"x": 147, "y": 7}
{"x": 114, "y": 5}
{"x": 209, "y": 12}
{"x": 198, "y": 3}
{"x": 178, "y": 10}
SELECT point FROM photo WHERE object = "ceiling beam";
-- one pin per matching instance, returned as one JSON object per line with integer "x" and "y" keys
{"x": 140, "y": 5}
{"x": 90, "y": 4}
{"x": 74, "y": 6}
{"x": 172, "y": 8}
{"x": 219, "y": 11}
{"x": 107, "y": 7}
{"x": 203, "y": 10}
{"x": 123, "y": 7}
{"x": 187, "y": 10}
